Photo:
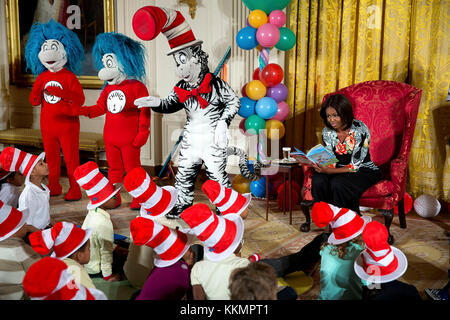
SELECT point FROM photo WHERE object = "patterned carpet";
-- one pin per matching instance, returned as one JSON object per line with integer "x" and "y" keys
{"x": 424, "y": 241}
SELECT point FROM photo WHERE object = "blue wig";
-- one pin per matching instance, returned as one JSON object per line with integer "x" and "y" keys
{"x": 130, "y": 53}
{"x": 41, "y": 32}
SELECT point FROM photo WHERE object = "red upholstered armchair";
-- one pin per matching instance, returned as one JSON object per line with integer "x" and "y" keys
{"x": 389, "y": 109}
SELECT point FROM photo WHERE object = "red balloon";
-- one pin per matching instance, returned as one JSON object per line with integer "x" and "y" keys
{"x": 244, "y": 94}
{"x": 271, "y": 75}
{"x": 408, "y": 203}
{"x": 294, "y": 199}
{"x": 294, "y": 185}
{"x": 256, "y": 74}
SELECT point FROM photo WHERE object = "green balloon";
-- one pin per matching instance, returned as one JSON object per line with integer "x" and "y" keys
{"x": 254, "y": 123}
{"x": 266, "y": 5}
{"x": 287, "y": 39}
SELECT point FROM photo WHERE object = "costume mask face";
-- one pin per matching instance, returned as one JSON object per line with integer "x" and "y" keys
{"x": 52, "y": 55}
{"x": 188, "y": 66}
{"x": 112, "y": 71}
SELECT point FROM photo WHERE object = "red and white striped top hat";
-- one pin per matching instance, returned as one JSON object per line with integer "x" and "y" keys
{"x": 379, "y": 262}
{"x": 345, "y": 224}
{"x": 50, "y": 279}
{"x": 64, "y": 238}
{"x": 97, "y": 186}
{"x": 226, "y": 200}
{"x": 11, "y": 220}
{"x": 149, "y": 21}
{"x": 220, "y": 234}
{"x": 154, "y": 200}
{"x": 169, "y": 244}
{"x": 13, "y": 159}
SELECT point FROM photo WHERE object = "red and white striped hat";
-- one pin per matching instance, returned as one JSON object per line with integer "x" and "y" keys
{"x": 64, "y": 238}
{"x": 149, "y": 21}
{"x": 220, "y": 234}
{"x": 13, "y": 159}
{"x": 50, "y": 279}
{"x": 379, "y": 262}
{"x": 11, "y": 220}
{"x": 169, "y": 244}
{"x": 155, "y": 201}
{"x": 345, "y": 224}
{"x": 227, "y": 200}
{"x": 97, "y": 186}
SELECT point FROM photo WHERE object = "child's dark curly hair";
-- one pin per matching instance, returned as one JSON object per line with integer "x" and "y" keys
{"x": 341, "y": 249}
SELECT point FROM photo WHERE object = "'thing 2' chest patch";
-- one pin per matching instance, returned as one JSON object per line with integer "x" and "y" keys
{"x": 51, "y": 98}
{"x": 116, "y": 101}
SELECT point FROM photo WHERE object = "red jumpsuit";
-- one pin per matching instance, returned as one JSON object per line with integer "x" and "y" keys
{"x": 126, "y": 127}
{"x": 59, "y": 128}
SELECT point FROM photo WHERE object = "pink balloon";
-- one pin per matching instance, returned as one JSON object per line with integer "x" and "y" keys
{"x": 268, "y": 35}
{"x": 277, "y": 18}
{"x": 242, "y": 128}
{"x": 282, "y": 112}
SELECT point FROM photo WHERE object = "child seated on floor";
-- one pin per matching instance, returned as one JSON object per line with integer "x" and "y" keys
{"x": 70, "y": 244}
{"x": 10, "y": 187}
{"x": 50, "y": 279}
{"x": 15, "y": 255}
{"x": 35, "y": 196}
{"x": 380, "y": 265}
{"x": 338, "y": 280}
{"x": 102, "y": 195}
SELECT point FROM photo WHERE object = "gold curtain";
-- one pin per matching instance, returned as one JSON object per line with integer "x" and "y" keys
{"x": 340, "y": 43}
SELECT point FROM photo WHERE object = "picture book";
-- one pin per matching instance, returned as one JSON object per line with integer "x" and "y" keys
{"x": 318, "y": 155}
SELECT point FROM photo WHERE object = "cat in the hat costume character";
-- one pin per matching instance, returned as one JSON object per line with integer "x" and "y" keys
{"x": 121, "y": 64}
{"x": 50, "y": 279}
{"x": 210, "y": 103}
{"x": 54, "y": 53}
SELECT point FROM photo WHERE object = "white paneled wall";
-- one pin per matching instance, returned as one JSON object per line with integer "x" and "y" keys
{"x": 216, "y": 22}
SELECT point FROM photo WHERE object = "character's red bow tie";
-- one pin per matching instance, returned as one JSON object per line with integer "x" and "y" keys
{"x": 204, "y": 87}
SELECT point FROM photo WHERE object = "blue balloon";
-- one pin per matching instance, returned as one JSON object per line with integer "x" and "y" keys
{"x": 246, "y": 38}
{"x": 258, "y": 187}
{"x": 247, "y": 107}
{"x": 266, "y": 107}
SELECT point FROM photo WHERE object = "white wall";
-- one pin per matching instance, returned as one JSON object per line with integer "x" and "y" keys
{"x": 216, "y": 23}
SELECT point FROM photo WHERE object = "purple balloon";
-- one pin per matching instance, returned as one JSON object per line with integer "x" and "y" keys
{"x": 278, "y": 92}
{"x": 282, "y": 112}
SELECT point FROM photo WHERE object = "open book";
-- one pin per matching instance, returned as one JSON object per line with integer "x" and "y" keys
{"x": 318, "y": 155}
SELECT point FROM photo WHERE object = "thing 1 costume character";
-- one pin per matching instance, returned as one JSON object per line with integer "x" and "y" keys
{"x": 210, "y": 103}
{"x": 53, "y": 53}
{"x": 121, "y": 63}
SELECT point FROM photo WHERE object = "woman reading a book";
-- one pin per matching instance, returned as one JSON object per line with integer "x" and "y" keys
{"x": 343, "y": 183}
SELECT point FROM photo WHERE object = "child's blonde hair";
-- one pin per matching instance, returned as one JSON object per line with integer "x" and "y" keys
{"x": 341, "y": 249}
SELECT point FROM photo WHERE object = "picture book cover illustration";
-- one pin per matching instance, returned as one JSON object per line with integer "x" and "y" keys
{"x": 317, "y": 155}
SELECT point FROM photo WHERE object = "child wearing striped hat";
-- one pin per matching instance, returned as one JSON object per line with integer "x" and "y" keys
{"x": 35, "y": 196}
{"x": 338, "y": 280}
{"x": 16, "y": 255}
{"x": 10, "y": 187}
{"x": 68, "y": 243}
{"x": 103, "y": 195}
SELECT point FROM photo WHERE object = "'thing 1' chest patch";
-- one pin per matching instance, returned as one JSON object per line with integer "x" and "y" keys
{"x": 51, "y": 98}
{"x": 116, "y": 101}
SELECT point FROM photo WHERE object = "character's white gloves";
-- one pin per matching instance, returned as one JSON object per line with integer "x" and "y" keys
{"x": 222, "y": 134}
{"x": 146, "y": 102}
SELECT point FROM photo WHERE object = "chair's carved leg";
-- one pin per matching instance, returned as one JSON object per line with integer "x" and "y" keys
{"x": 401, "y": 214}
{"x": 305, "y": 205}
{"x": 388, "y": 217}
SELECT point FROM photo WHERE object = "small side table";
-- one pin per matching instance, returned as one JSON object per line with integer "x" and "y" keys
{"x": 287, "y": 169}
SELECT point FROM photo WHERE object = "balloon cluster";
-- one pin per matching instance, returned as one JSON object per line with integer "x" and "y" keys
{"x": 263, "y": 104}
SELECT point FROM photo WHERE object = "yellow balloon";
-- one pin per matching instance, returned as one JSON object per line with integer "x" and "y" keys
{"x": 275, "y": 129}
{"x": 257, "y": 18}
{"x": 255, "y": 90}
{"x": 240, "y": 184}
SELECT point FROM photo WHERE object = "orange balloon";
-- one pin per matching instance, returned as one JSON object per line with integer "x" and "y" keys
{"x": 255, "y": 89}
{"x": 275, "y": 129}
{"x": 257, "y": 18}
{"x": 241, "y": 184}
